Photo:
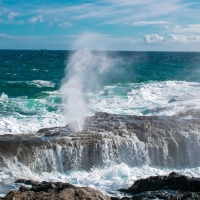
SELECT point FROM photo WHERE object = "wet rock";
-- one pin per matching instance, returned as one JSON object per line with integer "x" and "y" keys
{"x": 54, "y": 191}
{"x": 164, "y": 194}
{"x": 108, "y": 139}
{"x": 173, "y": 186}
{"x": 27, "y": 182}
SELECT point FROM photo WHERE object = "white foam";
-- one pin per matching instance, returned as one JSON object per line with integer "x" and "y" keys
{"x": 23, "y": 115}
{"x": 158, "y": 98}
{"x": 11, "y": 125}
{"x": 41, "y": 83}
{"x": 107, "y": 179}
{"x": 148, "y": 98}
{"x": 37, "y": 83}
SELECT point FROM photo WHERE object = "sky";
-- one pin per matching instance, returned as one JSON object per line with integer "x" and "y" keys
{"x": 133, "y": 25}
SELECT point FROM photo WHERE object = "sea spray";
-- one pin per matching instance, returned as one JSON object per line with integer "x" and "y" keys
{"x": 82, "y": 75}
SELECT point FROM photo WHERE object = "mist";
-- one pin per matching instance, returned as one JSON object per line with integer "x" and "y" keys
{"x": 82, "y": 75}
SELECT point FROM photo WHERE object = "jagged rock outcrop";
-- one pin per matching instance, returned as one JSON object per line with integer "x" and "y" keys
{"x": 108, "y": 139}
{"x": 53, "y": 191}
{"x": 174, "y": 181}
{"x": 174, "y": 186}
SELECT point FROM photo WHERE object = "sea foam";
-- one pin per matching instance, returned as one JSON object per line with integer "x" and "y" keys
{"x": 165, "y": 98}
{"x": 107, "y": 179}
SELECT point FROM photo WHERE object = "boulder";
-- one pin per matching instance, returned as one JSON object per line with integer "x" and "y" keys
{"x": 173, "y": 186}
{"x": 53, "y": 191}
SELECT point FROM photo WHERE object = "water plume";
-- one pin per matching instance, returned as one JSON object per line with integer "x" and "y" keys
{"x": 82, "y": 74}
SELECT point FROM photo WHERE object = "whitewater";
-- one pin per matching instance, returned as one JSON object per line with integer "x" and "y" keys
{"x": 36, "y": 92}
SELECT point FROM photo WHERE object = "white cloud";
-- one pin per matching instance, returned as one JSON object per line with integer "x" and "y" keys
{"x": 154, "y": 38}
{"x": 11, "y": 15}
{"x": 39, "y": 18}
{"x": 143, "y": 23}
{"x": 65, "y": 24}
{"x": 191, "y": 28}
{"x": 184, "y": 38}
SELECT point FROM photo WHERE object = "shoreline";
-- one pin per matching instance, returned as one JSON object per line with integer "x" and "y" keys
{"x": 173, "y": 186}
{"x": 106, "y": 139}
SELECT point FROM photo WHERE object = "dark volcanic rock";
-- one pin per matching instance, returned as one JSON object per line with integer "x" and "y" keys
{"x": 174, "y": 186}
{"x": 108, "y": 139}
{"x": 163, "y": 194}
{"x": 53, "y": 191}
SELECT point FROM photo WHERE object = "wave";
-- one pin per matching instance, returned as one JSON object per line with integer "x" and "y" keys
{"x": 41, "y": 83}
{"x": 24, "y": 115}
{"x": 37, "y": 83}
{"x": 165, "y": 98}
{"x": 148, "y": 98}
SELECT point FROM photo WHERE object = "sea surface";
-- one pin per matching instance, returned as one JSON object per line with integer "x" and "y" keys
{"x": 44, "y": 88}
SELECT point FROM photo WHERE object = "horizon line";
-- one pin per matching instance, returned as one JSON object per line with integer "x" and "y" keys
{"x": 99, "y": 50}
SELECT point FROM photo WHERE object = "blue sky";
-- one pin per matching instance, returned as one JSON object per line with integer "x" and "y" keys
{"x": 143, "y": 25}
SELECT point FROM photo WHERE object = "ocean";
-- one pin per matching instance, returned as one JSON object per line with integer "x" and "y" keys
{"x": 46, "y": 88}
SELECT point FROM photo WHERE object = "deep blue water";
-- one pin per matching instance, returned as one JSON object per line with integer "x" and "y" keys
{"x": 20, "y": 66}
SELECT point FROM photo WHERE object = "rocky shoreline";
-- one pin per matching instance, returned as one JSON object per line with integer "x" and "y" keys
{"x": 109, "y": 139}
{"x": 171, "y": 187}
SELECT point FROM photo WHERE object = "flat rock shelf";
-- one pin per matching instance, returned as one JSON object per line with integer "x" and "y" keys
{"x": 108, "y": 139}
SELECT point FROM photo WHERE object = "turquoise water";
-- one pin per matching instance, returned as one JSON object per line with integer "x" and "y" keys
{"x": 140, "y": 83}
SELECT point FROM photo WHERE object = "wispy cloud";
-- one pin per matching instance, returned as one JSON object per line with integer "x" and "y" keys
{"x": 148, "y": 21}
{"x": 8, "y": 36}
{"x": 117, "y": 11}
{"x": 3, "y": 35}
{"x": 65, "y": 24}
{"x": 143, "y": 11}
{"x": 184, "y": 38}
{"x": 11, "y": 15}
{"x": 38, "y": 18}
{"x": 154, "y": 38}
{"x": 144, "y": 23}
{"x": 191, "y": 28}
{"x": 133, "y": 41}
